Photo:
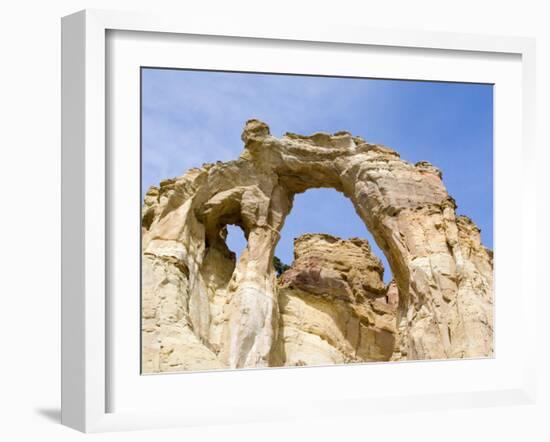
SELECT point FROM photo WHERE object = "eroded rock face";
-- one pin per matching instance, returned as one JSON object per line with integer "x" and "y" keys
{"x": 204, "y": 310}
{"x": 333, "y": 305}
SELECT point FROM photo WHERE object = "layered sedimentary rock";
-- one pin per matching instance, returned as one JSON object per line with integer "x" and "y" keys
{"x": 204, "y": 310}
{"x": 333, "y": 305}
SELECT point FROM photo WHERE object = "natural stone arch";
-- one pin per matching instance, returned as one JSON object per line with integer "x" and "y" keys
{"x": 226, "y": 314}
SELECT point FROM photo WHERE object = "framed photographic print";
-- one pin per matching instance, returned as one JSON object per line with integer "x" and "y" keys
{"x": 251, "y": 213}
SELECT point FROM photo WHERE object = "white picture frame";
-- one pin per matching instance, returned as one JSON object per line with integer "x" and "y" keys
{"x": 86, "y": 315}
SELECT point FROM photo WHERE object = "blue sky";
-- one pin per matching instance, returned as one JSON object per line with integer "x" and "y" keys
{"x": 193, "y": 117}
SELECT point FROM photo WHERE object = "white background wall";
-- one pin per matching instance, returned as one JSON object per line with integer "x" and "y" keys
{"x": 30, "y": 215}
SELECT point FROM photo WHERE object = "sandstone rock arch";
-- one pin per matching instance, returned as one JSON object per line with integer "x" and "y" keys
{"x": 203, "y": 310}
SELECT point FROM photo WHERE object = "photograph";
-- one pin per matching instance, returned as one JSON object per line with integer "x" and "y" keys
{"x": 298, "y": 220}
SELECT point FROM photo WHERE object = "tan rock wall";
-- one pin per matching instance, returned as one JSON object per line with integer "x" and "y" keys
{"x": 333, "y": 305}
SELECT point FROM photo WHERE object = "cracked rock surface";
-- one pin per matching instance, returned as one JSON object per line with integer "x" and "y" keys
{"x": 203, "y": 310}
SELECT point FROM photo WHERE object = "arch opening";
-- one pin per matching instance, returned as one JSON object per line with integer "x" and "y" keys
{"x": 336, "y": 300}
{"x": 235, "y": 240}
{"x": 327, "y": 211}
